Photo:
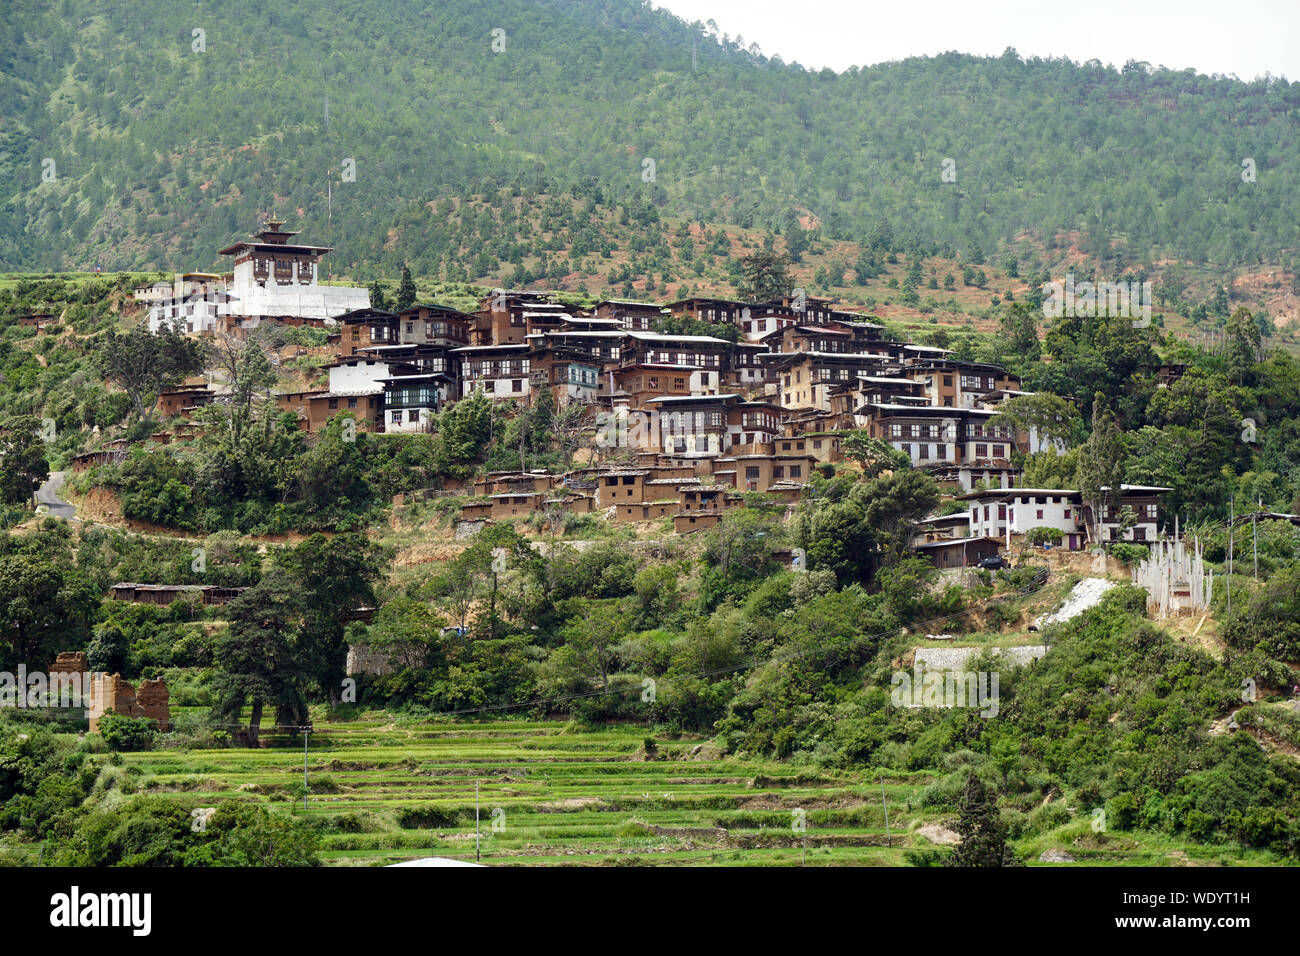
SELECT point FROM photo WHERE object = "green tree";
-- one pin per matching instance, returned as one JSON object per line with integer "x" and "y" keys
{"x": 1101, "y": 464}
{"x": 405, "y": 291}
{"x": 875, "y": 455}
{"x": 260, "y": 661}
{"x": 142, "y": 363}
{"x": 23, "y": 465}
{"x": 765, "y": 276}
{"x": 983, "y": 835}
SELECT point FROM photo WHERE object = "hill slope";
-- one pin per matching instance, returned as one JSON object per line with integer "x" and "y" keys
{"x": 164, "y": 142}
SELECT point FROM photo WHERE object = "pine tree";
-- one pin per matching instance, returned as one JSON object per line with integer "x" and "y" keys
{"x": 983, "y": 835}
{"x": 406, "y": 291}
{"x": 377, "y": 298}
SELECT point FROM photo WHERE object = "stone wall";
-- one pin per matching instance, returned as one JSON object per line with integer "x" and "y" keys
{"x": 112, "y": 694}
{"x": 954, "y": 658}
{"x": 384, "y": 658}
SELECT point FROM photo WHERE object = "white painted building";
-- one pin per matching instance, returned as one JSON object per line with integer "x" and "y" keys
{"x": 194, "y": 302}
{"x": 273, "y": 277}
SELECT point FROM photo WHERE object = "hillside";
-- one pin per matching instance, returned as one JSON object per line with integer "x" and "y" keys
{"x": 148, "y": 135}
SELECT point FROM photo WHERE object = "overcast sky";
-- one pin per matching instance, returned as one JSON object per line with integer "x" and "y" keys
{"x": 1243, "y": 37}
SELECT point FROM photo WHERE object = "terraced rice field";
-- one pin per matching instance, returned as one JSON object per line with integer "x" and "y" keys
{"x": 549, "y": 793}
{"x": 387, "y": 789}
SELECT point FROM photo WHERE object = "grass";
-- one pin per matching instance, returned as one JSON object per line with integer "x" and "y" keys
{"x": 384, "y": 787}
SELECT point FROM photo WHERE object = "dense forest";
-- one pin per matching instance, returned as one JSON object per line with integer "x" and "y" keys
{"x": 151, "y": 135}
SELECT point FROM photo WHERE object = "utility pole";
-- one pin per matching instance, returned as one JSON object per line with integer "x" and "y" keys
{"x": 305, "y": 734}
{"x": 1232, "y": 530}
{"x": 476, "y": 855}
{"x": 1254, "y": 528}
{"x": 885, "y": 800}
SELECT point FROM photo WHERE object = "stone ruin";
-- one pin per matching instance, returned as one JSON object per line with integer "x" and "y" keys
{"x": 109, "y": 693}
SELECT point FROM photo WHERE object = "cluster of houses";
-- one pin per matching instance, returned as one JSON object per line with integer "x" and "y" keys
{"x": 687, "y": 423}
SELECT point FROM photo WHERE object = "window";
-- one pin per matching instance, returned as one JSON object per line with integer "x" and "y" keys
{"x": 517, "y": 385}
{"x": 1002, "y": 512}
{"x": 796, "y": 471}
{"x": 334, "y": 403}
{"x": 981, "y": 451}
{"x": 397, "y": 417}
{"x": 1039, "y": 514}
{"x": 352, "y": 403}
{"x": 413, "y": 415}
{"x": 751, "y": 472}
{"x": 778, "y": 471}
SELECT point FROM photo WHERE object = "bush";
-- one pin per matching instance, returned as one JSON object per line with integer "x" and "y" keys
{"x": 126, "y": 734}
{"x": 1129, "y": 553}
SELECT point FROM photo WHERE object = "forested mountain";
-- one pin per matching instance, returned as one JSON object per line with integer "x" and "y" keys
{"x": 148, "y": 134}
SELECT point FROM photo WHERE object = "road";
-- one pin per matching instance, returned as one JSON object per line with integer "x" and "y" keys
{"x": 48, "y": 495}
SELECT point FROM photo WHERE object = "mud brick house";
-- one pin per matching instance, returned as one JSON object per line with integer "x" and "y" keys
{"x": 758, "y": 472}
{"x": 39, "y": 321}
{"x": 647, "y": 510}
{"x": 958, "y": 552}
{"x": 639, "y": 383}
{"x": 111, "y": 453}
{"x": 746, "y": 368}
{"x": 165, "y": 594}
{"x": 500, "y": 316}
{"x": 752, "y": 424}
{"x": 621, "y": 486}
{"x": 570, "y": 375}
{"x": 434, "y": 325}
{"x": 715, "y": 311}
{"x": 952, "y": 384}
{"x": 365, "y": 404}
{"x": 502, "y": 371}
{"x": 363, "y": 328}
{"x": 703, "y": 507}
{"x": 515, "y": 482}
{"x": 805, "y": 379}
{"x": 183, "y": 400}
{"x": 631, "y": 316}
{"x": 692, "y": 425}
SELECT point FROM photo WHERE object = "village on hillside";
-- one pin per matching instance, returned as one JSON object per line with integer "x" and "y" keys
{"x": 681, "y": 426}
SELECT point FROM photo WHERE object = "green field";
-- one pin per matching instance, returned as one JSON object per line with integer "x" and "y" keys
{"x": 386, "y": 789}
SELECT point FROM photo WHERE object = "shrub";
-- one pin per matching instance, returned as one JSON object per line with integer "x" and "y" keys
{"x": 1129, "y": 553}
{"x": 126, "y": 733}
